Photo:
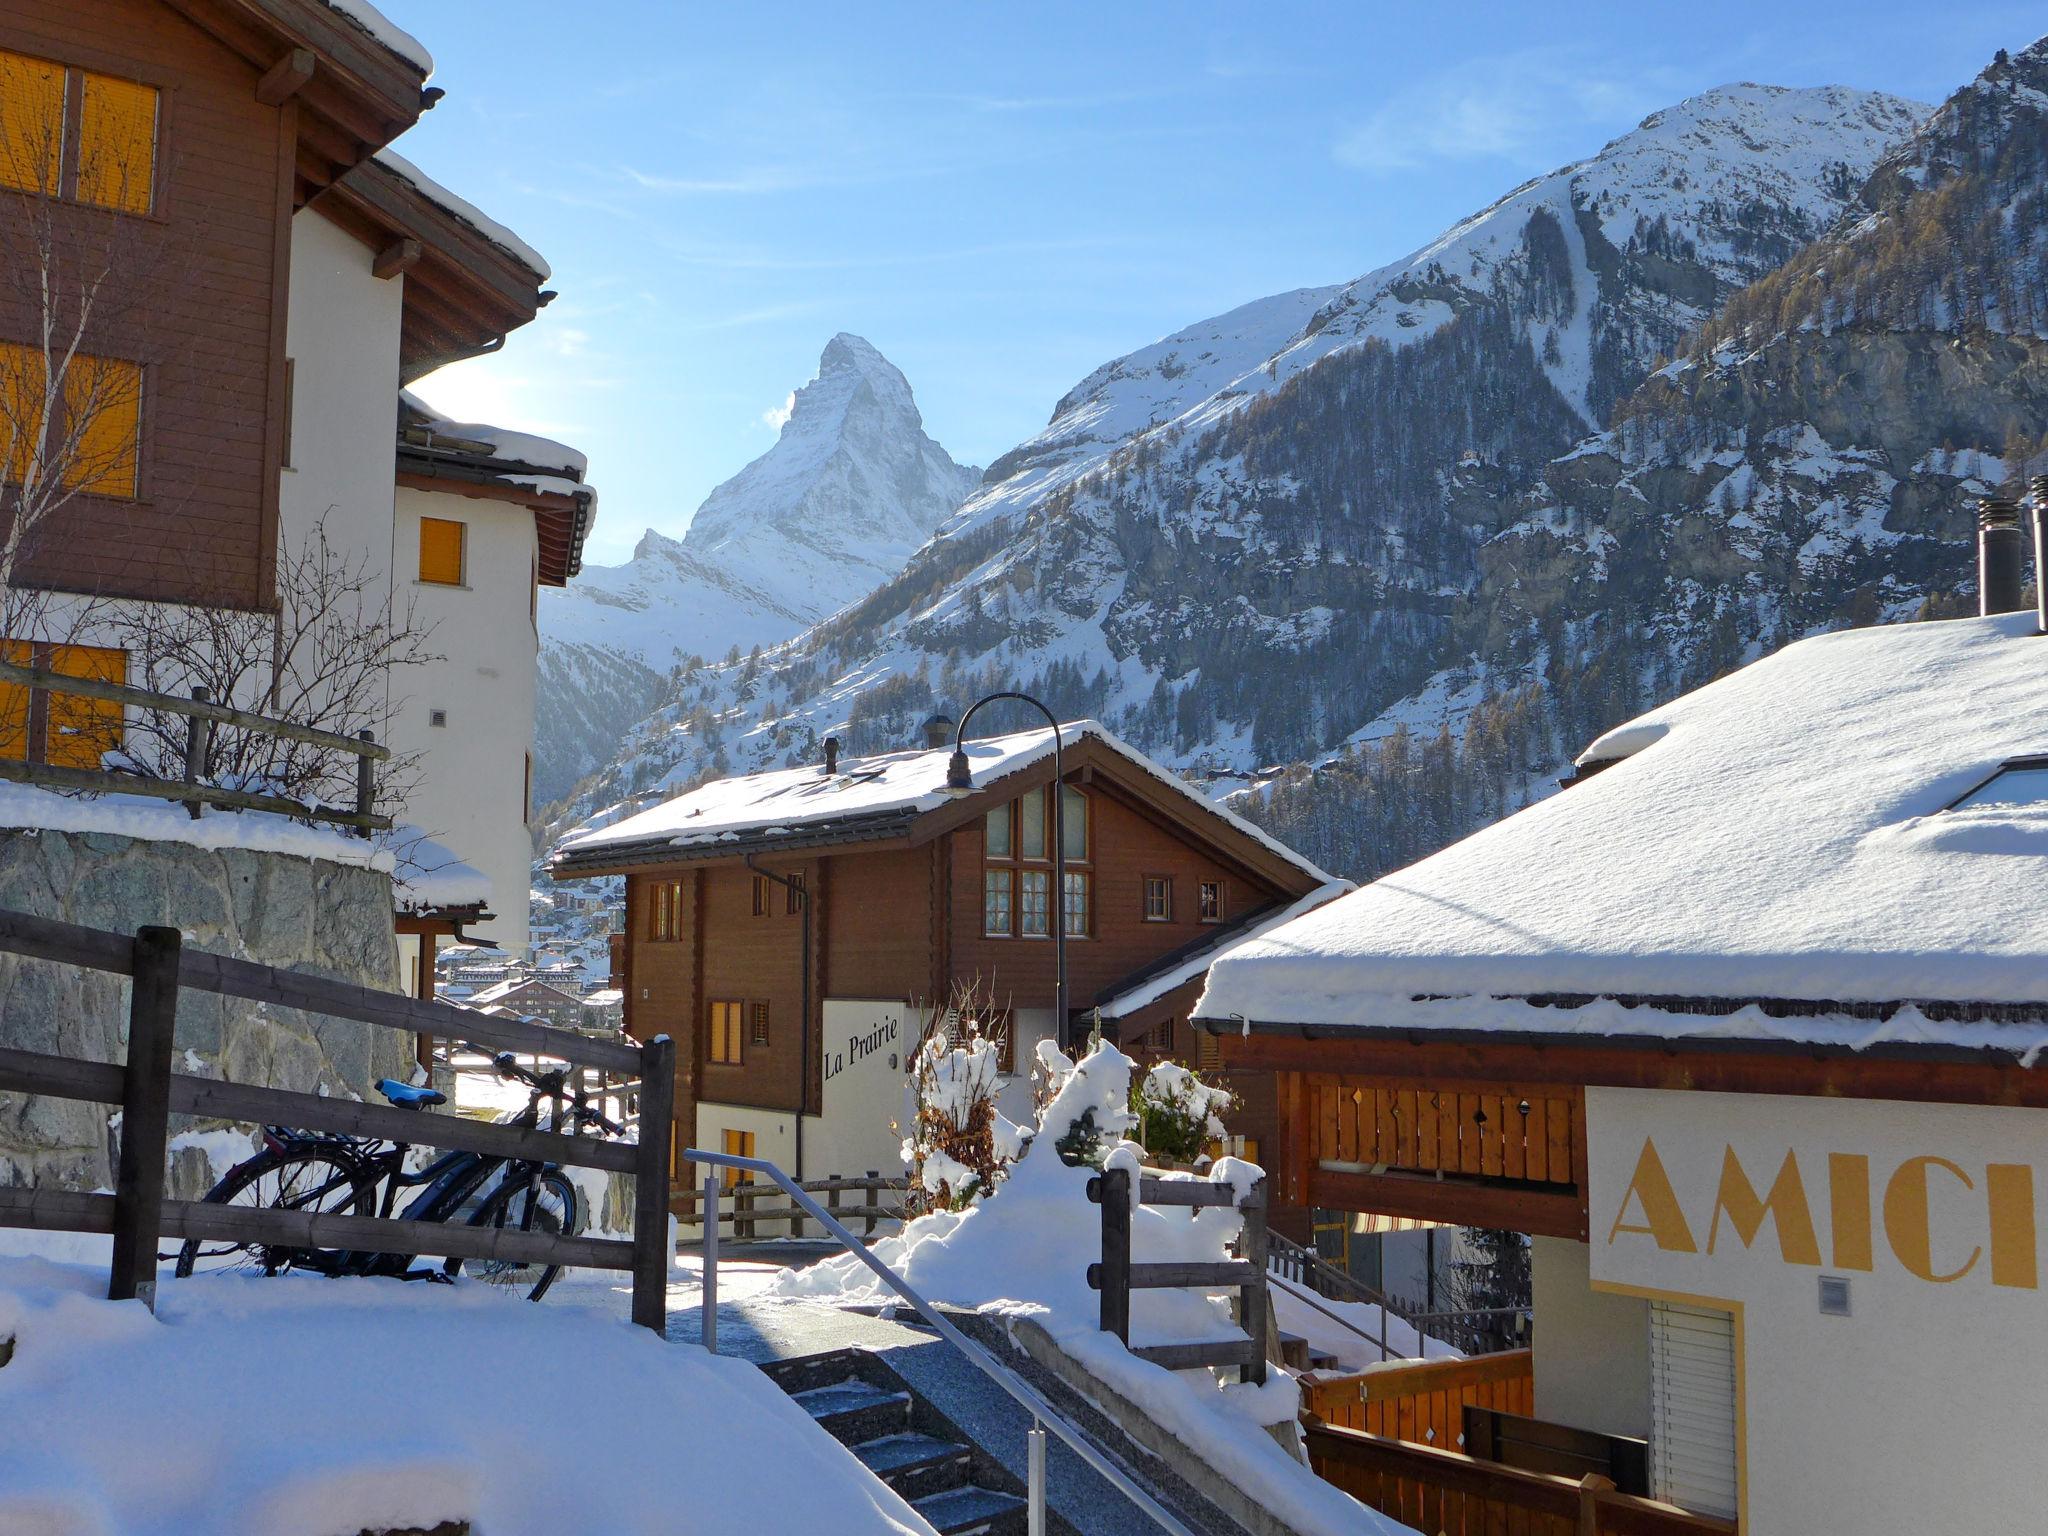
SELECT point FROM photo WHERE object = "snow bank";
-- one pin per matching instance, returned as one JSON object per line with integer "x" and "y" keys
{"x": 298, "y": 1406}
{"x": 22, "y": 805}
{"x": 1025, "y": 1251}
{"x": 1351, "y": 1330}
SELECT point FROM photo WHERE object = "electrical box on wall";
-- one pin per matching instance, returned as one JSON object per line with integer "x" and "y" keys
{"x": 1834, "y": 1296}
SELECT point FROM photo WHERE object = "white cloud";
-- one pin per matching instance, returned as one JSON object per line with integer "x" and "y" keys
{"x": 775, "y": 416}
{"x": 1524, "y": 108}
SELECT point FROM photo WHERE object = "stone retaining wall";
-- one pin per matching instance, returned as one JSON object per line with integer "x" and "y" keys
{"x": 301, "y": 914}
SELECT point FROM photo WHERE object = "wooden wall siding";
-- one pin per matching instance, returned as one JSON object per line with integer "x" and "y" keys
{"x": 667, "y": 971}
{"x": 880, "y": 923}
{"x": 755, "y": 959}
{"x": 1473, "y": 1129}
{"x": 1125, "y": 846}
{"x": 1425, "y": 1402}
{"x": 203, "y": 282}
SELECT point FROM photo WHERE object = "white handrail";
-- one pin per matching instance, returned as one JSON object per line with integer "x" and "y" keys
{"x": 1043, "y": 1413}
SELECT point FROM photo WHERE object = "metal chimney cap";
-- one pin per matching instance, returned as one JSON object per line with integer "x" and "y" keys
{"x": 831, "y": 755}
{"x": 1998, "y": 512}
{"x": 937, "y": 729}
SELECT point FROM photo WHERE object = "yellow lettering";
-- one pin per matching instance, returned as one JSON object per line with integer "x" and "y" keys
{"x": 1849, "y": 1208}
{"x": 1786, "y": 1203}
{"x": 1650, "y": 1187}
{"x": 1905, "y": 1218}
{"x": 2009, "y": 1189}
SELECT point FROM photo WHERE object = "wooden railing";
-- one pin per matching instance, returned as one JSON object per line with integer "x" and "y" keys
{"x": 1115, "y": 1277}
{"x": 1446, "y": 1493}
{"x": 201, "y": 716}
{"x": 1423, "y": 1401}
{"x": 1499, "y": 1132}
{"x": 742, "y": 1213}
{"x": 148, "y": 1091}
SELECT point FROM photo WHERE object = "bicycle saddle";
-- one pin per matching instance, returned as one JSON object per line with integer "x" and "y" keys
{"x": 408, "y": 1097}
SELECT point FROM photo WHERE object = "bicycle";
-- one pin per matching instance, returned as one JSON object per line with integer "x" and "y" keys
{"x": 332, "y": 1174}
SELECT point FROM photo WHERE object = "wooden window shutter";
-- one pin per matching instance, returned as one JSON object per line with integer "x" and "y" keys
{"x": 31, "y": 123}
{"x": 14, "y": 703}
{"x": 103, "y": 425}
{"x": 117, "y": 143}
{"x": 441, "y": 551}
{"x": 1208, "y": 1052}
{"x": 82, "y": 729}
{"x": 759, "y": 1022}
{"x": 21, "y": 407}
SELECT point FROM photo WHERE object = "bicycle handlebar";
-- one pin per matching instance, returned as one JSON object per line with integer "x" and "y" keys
{"x": 552, "y": 1084}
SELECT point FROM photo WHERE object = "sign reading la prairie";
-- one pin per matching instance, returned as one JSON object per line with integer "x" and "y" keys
{"x": 1700, "y": 1191}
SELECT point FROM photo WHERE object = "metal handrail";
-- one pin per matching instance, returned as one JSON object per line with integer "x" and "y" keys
{"x": 1306, "y": 1296}
{"x": 1043, "y": 1414}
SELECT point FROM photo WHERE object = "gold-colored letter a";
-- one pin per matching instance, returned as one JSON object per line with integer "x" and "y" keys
{"x": 1650, "y": 1187}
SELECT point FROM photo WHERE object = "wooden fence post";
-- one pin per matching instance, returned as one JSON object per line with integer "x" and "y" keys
{"x": 198, "y": 736}
{"x": 145, "y": 1115}
{"x": 1591, "y": 1486}
{"x": 651, "y": 1253}
{"x": 874, "y": 1199}
{"x": 366, "y": 780}
{"x": 1252, "y": 1295}
{"x": 1115, "y": 1188}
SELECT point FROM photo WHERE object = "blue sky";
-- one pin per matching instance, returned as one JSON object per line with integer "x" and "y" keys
{"x": 1002, "y": 197}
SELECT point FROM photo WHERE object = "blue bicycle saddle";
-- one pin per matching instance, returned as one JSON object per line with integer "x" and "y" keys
{"x": 408, "y": 1096}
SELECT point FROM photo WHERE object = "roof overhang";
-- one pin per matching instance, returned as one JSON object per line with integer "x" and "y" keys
{"x": 562, "y": 519}
{"x": 352, "y": 95}
{"x": 850, "y": 835}
{"x": 463, "y": 293}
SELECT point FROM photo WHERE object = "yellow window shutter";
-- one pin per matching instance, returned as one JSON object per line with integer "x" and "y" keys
{"x": 14, "y": 703}
{"x": 82, "y": 729}
{"x": 31, "y": 123}
{"x": 21, "y": 407}
{"x": 117, "y": 143}
{"x": 441, "y": 551}
{"x": 103, "y": 411}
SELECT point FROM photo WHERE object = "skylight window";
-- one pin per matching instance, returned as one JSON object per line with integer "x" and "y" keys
{"x": 2020, "y": 785}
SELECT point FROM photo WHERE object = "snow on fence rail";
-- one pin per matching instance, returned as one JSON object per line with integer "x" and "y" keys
{"x": 137, "y": 1214}
{"x": 201, "y": 715}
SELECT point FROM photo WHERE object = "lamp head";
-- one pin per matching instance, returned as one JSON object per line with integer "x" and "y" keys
{"x": 959, "y": 777}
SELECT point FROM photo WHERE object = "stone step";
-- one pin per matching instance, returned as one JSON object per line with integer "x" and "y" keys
{"x": 852, "y": 1410}
{"x": 916, "y": 1464}
{"x": 973, "y": 1511}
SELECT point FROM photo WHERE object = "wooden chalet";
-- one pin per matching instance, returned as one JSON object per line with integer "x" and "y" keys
{"x": 790, "y": 928}
{"x": 1743, "y": 1028}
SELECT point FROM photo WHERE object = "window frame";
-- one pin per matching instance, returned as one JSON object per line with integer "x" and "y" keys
{"x": 71, "y": 113}
{"x": 461, "y": 581}
{"x": 758, "y": 1024}
{"x": 1081, "y": 881}
{"x": 1007, "y": 877}
{"x": 1203, "y": 907}
{"x": 1024, "y": 885}
{"x": 665, "y": 912}
{"x": 793, "y": 895}
{"x": 759, "y": 896}
{"x": 1165, "y": 887}
{"x": 717, "y": 1021}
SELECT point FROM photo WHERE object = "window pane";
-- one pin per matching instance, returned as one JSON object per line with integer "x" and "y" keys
{"x": 31, "y": 123}
{"x": 2013, "y": 787}
{"x": 1076, "y": 905}
{"x": 441, "y": 551}
{"x": 1032, "y": 807}
{"x": 996, "y": 833}
{"x": 116, "y": 143}
{"x": 102, "y": 422}
{"x": 1037, "y": 904}
{"x": 1212, "y": 901}
{"x": 1073, "y": 824}
{"x": 995, "y": 901}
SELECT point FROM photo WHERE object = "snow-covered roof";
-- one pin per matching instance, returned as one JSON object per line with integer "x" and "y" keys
{"x": 387, "y": 34}
{"x": 1150, "y": 988}
{"x": 869, "y": 790}
{"x": 430, "y": 877}
{"x": 503, "y": 443}
{"x": 1789, "y": 832}
{"x": 604, "y": 997}
{"x": 466, "y": 211}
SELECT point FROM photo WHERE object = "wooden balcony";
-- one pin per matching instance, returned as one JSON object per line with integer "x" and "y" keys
{"x": 1396, "y": 1438}
{"x": 1475, "y": 1154}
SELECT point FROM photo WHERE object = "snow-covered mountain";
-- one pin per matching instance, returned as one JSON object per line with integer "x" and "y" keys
{"x": 852, "y": 487}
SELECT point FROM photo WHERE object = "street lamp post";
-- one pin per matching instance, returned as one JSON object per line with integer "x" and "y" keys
{"x": 960, "y": 781}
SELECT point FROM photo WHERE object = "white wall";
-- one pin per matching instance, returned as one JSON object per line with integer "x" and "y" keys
{"x": 472, "y": 791}
{"x": 866, "y": 1047}
{"x": 1920, "y": 1410}
{"x": 1592, "y": 1347}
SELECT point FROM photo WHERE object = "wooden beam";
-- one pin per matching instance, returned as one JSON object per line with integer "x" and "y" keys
{"x": 399, "y": 256}
{"x": 1458, "y": 1202}
{"x": 281, "y": 82}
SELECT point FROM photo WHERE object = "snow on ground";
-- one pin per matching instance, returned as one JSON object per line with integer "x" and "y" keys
{"x": 1024, "y": 1252}
{"x": 1353, "y": 1331}
{"x": 298, "y": 1406}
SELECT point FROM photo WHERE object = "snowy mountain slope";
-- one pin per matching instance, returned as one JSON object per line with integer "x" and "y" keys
{"x": 851, "y": 488}
{"x": 1245, "y": 541}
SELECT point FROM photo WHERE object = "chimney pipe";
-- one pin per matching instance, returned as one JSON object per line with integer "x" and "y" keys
{"x": 2000, "y": 560}
{"x": 938, "y": 730}
{"x": 2041, "y": 551}
{"x": 831, "y": 756}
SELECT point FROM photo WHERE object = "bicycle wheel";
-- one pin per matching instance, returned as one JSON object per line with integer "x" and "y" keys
{"x": 314, "y": 1176}
{"x": 554, "y": 1211}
